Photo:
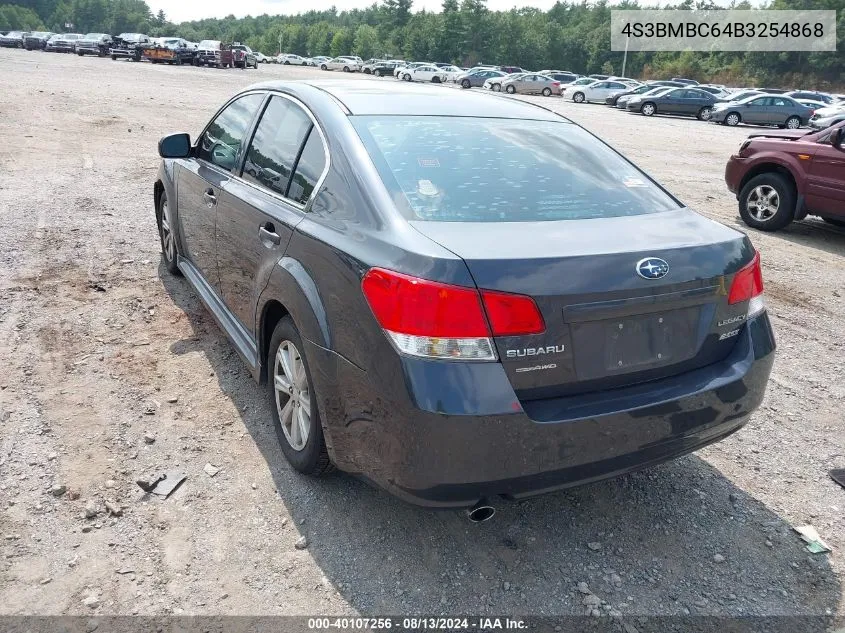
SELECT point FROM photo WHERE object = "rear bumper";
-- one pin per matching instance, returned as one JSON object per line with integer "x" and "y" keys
{"x": 447, "y": 434}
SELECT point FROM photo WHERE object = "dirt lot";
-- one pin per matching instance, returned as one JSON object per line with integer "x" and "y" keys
{"x": 101, "y": 348}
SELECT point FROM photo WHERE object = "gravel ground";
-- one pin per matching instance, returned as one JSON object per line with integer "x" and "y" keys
{"x": 113, "y": 369}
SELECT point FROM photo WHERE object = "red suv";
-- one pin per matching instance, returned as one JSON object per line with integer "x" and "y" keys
{"x": 779, "y": 177}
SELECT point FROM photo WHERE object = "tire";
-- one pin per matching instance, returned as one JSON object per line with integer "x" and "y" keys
{"x": 648, "y": 109}
{"x": 435, "y": 80}
{"x": 346, "y": 69}
{"x": 497, "y": 87}
{"x": 323, "y": 67}
{"x": 793, "y": 123}
{"x": 378, "y": 73}
{"x": 511, "y": 89}
{"x": 465, "y": 84}
{"x": 547, "y": 92}
{"x": 578, "y": 97}
{"x": 287, "y": 63}
{"x": 767, "y": 202}
{"x": 704, "y": 114}
{"x": 286, "y": 356}
{"x": 835, "y": 222}
{"x": 406, "y": 77}
{"x": 114, "y": 58}
{"x": 732, "y": 119}
{"x": 166, "y": 237}
{"x": 367, "y": 71}
{"x": 80, "y": 53}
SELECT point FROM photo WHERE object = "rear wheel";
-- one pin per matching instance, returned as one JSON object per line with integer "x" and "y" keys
{"x": 767, "y": 202}
{"x": 294, "y": 403}
{"x": 793, "y": 123}
{"x": 648, "y": 109}
{"x": 732, "y": 119}
{"x": 704, "y": 114}
{"x": 578, "y": 97}
{"x": 547, "y": 92}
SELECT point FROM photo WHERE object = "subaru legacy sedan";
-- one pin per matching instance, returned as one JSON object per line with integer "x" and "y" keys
{"x": 457, "y": 296}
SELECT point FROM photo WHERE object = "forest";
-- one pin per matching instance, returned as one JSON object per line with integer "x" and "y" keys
{"x": 570, "y": 36}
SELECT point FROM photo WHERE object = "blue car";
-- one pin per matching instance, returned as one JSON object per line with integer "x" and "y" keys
{"x": 459, "y": 297}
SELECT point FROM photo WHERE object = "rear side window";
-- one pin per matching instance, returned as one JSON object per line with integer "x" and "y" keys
{"x": 464, "y": 169}
{"x": 220, "y": 143}
{"x": 275, "y": 147}
{"x": 310, "y": 167}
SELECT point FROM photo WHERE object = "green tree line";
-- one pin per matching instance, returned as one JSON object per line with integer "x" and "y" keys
{"x": 570, "y": 36}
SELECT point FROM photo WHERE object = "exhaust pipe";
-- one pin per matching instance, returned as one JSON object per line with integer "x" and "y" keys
{"x": 481, "y": 511}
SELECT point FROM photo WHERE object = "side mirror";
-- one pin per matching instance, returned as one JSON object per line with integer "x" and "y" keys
{"x": 175, "y": 146}
{"x": 836, "y": 138}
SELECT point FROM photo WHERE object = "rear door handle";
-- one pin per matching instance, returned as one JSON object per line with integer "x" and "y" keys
{"x": 209, "y": 197}
{"x": 267, "y": 232}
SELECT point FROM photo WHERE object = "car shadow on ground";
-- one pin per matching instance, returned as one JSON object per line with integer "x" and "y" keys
{"x": 676, "y": 539}
{"x": 812, "y": 232}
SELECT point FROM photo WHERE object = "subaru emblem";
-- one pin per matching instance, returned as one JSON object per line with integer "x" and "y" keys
{"x": 652, "y": 268}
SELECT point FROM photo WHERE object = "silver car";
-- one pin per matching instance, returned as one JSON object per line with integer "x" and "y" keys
{"x": 341, "y": 63}
{"x": 530, "y": 83}
{"x": 776, "y": 110}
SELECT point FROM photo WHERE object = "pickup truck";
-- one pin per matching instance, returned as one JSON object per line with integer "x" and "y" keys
{"x": 783, "y": 176}
{"x": 243, "y": 57}
{"x": 213, "y": 53}
{"x": 129, "y": 46}
{"x": 169, "y": 50}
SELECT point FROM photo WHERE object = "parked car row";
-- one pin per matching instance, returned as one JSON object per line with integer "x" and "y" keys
{"x": 137, "y": 47}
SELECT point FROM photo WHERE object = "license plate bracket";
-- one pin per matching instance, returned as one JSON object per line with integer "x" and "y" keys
{"x": 634, "y": 343}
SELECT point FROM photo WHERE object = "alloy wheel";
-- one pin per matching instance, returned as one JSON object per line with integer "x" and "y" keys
{"x": 293, "y": 395}
{"x": 648, "y": 109}
{"x": 763, "y": 202}
{"x": 793, "y": 123}
{"x": 732, "y": 119}
{"x": 167, "y": 233}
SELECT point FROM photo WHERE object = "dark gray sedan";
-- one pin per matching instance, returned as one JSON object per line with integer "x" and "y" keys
{"x": 458, "y": 297}
{"x": 477, "y": 78}
{"x": 776, "y": 110}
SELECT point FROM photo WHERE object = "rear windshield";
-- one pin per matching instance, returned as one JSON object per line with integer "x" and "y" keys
{"x": 462, "y": 169}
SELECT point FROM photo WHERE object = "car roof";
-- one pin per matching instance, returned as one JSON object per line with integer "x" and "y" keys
{"x": 373, "y": 97}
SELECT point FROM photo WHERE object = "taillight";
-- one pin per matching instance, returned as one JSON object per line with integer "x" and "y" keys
{"x": 512, "y": 315}
{"x": 437, "y": 320}
{"x": 748, "y": 286}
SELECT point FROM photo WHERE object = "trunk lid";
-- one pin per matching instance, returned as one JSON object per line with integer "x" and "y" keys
{"x": 606, "y": 325}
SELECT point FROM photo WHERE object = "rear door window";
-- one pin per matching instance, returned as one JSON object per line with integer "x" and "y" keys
{"x": 275, "y": 147}
{"x": 312, "y": 163}
{"x": 473, "y": 169}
